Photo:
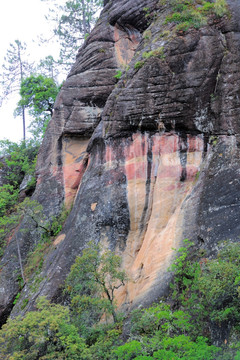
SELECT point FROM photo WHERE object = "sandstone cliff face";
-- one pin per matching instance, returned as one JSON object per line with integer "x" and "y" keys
{"x": 145, "y": 161}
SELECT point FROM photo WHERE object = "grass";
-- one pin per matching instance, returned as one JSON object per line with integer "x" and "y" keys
{"x": 192, "y": 13}
{"x": 159, "y": 52}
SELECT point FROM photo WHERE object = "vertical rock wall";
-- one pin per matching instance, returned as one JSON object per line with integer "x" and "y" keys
{"x": 145, "y": 161}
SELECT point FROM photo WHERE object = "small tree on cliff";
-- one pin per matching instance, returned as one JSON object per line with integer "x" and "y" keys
{"x": 38, "y": 94}
{"x": 92, "y": 282}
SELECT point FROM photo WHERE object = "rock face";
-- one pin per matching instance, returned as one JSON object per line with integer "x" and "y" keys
{"x": 145, "y": 161}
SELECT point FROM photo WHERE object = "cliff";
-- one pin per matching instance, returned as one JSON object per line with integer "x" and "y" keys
{"x": 143, "y": 161}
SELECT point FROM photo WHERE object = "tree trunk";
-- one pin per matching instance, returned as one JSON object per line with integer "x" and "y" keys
{"x": 23, "y": 108}
{"x": 20, "y": 260}
{"x": 84, "y": 18}
{"x": 24, "y": 123}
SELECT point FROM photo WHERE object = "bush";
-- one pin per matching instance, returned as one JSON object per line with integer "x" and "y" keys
{"x": 43, "y": 334}
{"x": 190, "y": 13}
{"x": 91, "y": 284}
{"x": 8, "y": 198}
{"x": 20, "y": 160}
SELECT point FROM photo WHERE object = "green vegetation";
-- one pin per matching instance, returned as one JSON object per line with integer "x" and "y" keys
{"x": 159, "y": 52}
{"x": 73, "y": 25}
{"x": 48, "y": 229}
{"x": 8, "y": 198}
{"x": 118, "y": 74}
{"x": 43, "y": 334}
{"x": 204, "y": 297}
{"x": 139, "y": 64}
{"x": 192, "y": 13}
{"x": 14, "y": 70}
{"x": 38, "y": 94}
{"x": 147, "y": 35}
{"x": 92, "y": 283}
{"x": 19, "y": 161}
{"x": 55, "y": 332}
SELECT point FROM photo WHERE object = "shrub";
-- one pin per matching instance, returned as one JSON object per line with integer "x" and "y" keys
{"x": 139, "y": 64}
{"x": 220, "y": 8}
{"x": 8, "y": 198}
{"x": 159, "y": 52}
{"x": 42, "y": 334}
{"x": 190, "y": 13}
{"x": 118, "y": 74}
{"x": 91, "y": 284}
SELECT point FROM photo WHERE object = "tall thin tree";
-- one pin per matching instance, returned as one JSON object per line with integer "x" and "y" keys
{"x": 73, "y": 22}
{"x": 15, "y": 69}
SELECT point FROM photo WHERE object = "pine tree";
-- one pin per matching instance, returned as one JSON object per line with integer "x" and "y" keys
{"x": 73, "y": 25}
{"x": 15, "y": 68}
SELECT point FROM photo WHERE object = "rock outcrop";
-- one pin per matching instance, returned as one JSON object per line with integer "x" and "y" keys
{"x": 145, "y": 161}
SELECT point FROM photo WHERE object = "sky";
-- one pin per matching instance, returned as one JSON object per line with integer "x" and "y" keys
{"x": 23, "y": 20}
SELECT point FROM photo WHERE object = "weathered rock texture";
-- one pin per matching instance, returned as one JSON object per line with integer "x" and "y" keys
{"x": 146, "y": 161}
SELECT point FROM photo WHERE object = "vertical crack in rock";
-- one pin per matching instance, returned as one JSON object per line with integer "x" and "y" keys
{"x": 183, "y": 147}
{"x": 148, "y": 198}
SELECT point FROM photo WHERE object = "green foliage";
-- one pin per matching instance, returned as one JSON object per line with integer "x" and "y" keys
{"x": 49, "y": 228}
{"x": 118, "y": 74}
{"x": 16, "y": 298}
{"x": 35, "y": 259}
{"x": 160, "y": 333}
{"x": 182, "y": 347}
{"x": 20, "y": 159}
{"x": 15, "y": 68}
{"x": 92, "y": 283}
{"x": 42, "y": 334}
{"x": 220, "y": 8}
{"x": 209, "y": 289}
{"x": 139, "y": 64}
{"x": 159, "y": 52}
{"x": 48, "y": 68}
{"x": 128, "y": 351}
{"x": 191, "y": 13}
{"x": 7, "y": 225}
{"x": 147, "y": 35}
{"x": 73, "y": 25}
{"x": 55, "y": 224}
{"x": 219, "y": 284}
{"x": 204, "y": 292}
{"x": 107, "y": 337}
{"x": 38, "y": 94}
{"x": 8, "y": 198}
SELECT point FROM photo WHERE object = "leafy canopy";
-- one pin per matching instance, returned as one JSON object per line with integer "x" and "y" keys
{"x": 92, "y": 282}
{"x": 38, "y": 94}
{"x": 42, "y": 334}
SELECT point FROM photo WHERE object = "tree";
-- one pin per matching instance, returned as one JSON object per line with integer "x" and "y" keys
{"x": 92, "y": 282}
{"x": 75, "y": 22}
{"x": 15, "y": 69}
{"x": 42, "y": 334}
{"x": 38, "y": 94}
{"x": 48, "y": 68}
{"x": 19, "y": 158}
